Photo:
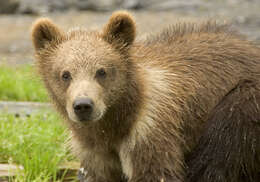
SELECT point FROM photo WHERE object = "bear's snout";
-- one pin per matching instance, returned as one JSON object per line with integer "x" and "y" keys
{"x": 83, "y": 108}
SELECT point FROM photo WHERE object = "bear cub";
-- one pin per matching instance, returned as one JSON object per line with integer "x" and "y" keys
{"x": 180, "y": 105}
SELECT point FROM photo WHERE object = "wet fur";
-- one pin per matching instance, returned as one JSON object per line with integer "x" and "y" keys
{"x": 174, "y": 81}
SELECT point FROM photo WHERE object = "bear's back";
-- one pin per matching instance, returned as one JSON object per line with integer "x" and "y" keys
{"x": 188, "y": 68}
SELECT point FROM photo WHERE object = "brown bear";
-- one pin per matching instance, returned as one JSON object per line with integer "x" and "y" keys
{"x": 181, "y": 105}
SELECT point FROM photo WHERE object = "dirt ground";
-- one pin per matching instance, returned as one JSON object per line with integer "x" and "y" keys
{"x": 16, "y": 47}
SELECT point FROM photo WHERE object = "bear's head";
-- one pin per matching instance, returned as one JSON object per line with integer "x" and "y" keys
{"x": 85, "y": 72}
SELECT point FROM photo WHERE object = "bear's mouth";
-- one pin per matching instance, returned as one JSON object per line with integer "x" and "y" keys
{"x": 84, "y": 119}
{"x": 90, "y": 119}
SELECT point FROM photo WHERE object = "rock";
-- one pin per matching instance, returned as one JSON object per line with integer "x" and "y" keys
{"x": 41, "y": 7}
{"x": 164, "y": 4}
{"x": 99, "y": 5}
{"x": 61, "y": 5}
{"x": 132, "y": 4}
{"x": 8, "y": 6}
{"x": 44, "y": 6}
{"x": 33, "y": 7}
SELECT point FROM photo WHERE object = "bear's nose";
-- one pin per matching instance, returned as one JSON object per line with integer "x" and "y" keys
{"x": 83, "y": 108}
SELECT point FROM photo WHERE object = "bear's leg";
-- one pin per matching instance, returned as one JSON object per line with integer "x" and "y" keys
{"x": 229, "y": 150}
{"x": 152, "y": 158}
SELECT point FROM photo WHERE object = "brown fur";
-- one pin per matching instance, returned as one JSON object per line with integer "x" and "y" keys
{"x": 120, "y": 29}
{"x": 231, "y": 137}
{"x": 156, "y": 99}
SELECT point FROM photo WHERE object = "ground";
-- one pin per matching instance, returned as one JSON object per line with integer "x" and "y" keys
{"x": 16, "y": 46}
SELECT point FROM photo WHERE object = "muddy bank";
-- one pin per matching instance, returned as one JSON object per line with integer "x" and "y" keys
{"x": 21, "y": 109}
{"x": 16, "y": 47}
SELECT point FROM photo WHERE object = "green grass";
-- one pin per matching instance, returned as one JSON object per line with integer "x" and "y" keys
{"x": 36, "y": 143}
{"x": 21, "y": 84}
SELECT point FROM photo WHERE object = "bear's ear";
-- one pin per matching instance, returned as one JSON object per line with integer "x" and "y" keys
{"x": 44, "y": 32}
{"x": 120, "y": 28}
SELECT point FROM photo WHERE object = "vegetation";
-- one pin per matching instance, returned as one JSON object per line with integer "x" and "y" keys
{"x": 36, "y": 143}
{"x": 21, "y": 84}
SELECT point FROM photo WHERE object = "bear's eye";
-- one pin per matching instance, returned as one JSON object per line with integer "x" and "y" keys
{"x": 66, "y": 76}
{"x": 101, "y": 73}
